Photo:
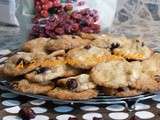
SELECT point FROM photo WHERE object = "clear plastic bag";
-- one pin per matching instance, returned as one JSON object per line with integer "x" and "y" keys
{"x": 106, "y": 9}
{"x": 8, "y": 12}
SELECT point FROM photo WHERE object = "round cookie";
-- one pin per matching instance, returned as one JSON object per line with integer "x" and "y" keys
{"x": 77, "y": 83}
{"x": 33, "y": 88}
{"x": 35, "y": 45}
{"x": 65, "y": 94}
{"x": 66, "y": 42}
{"x": 146, "y": 83}
{"x": 86, "y": 57}
{"x": 132, "y": 49}
{"x": 135, "y": 50}
{"x": 108, "y": 41}
{"x": 152, "y": 65}
{"x": 45, "y": 75}
{"x": 50, "y": 69}
{"x": 22, "y": 63}
{"x": 116, "y": 74}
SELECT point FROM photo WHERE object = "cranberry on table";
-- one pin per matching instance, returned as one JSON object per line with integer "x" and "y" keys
{"x": 27, "y": 113}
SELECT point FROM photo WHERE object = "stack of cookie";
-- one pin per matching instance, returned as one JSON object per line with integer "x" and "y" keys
{"x": 75, "y": 67}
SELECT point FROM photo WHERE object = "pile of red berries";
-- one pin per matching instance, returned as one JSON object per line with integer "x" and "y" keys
{"x": 64, "y": 20}
{"x": 42, "y": 7}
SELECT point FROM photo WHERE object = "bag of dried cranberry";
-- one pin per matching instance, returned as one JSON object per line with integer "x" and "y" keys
{"x": 58, "y": 17}
{"x": 8, "y": 12}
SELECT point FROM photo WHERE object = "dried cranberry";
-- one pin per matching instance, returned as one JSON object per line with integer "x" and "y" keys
{"x": 44, "y": 13}
{"x": 83, "y": 23}
{"x": 87, "y": 30}
{"x": 89, "y": 20}
{"x": 95, "y": 28}
{"x": 75, "y": 27}
{"x": 27, "y": 113}
{"x": 85, "y": 11}
{"x": 114, "y": 46}
{"x": 72, "y": 84}
{"x": 56, "y": 3}
{"x": 59, "y": 31}
{"x": 76, "y": 15}
{"x": 87, "y": 46}
{"x": 120, "y": 89}
{"x": 52, "y": 35}
{"x": 68, "y": 29}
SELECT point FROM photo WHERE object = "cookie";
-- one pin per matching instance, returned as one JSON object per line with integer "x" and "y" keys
{"x": 108, "y": 41}
{"x": 44, "y": 75}
{"x": 135, "y": 50}
{"x": 116, "y": 74}
{"x": 33, "y": 88}
{"x": 152, "y": 65}
{"x": 35, "y": 45}
{"x": 22, "y": 63}
{"x": 86, "y": 57}
{"x": 66, "y": 42}
{"x": 51, "y": 69}
{"x": 132, "y": 49}
{"x": 65, "y": 94}
{"x": 146, "y": 83}
{"x": 78, "y": 83}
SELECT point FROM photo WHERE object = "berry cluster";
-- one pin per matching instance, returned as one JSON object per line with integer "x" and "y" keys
{"x": 42, "y": 7}
{"x": 64, "y": 20}
{"x": 67, "y": 23}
